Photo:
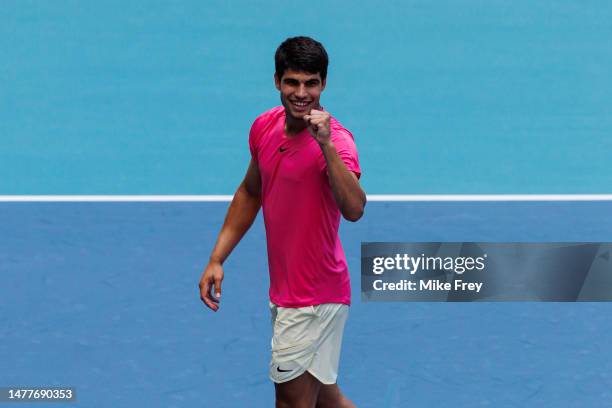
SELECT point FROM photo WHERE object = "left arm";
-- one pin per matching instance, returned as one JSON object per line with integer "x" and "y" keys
{"x": 349, "y": 195}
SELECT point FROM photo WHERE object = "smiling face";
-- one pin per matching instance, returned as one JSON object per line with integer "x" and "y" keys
{"x": 300, "y": 92}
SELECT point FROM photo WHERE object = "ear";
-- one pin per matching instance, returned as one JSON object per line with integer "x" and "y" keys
{"x": 323, "y": 82}
{"x": 277, "y": 81}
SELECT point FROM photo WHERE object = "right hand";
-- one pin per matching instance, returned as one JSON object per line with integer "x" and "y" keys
{"x": 211, "y": 278}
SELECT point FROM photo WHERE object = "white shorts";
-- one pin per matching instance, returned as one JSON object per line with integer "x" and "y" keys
{"x": 307, "y": 339}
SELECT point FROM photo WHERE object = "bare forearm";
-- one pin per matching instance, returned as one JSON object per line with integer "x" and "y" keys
{"x": 349, "y": 195}
{"x": 240, "y": 216}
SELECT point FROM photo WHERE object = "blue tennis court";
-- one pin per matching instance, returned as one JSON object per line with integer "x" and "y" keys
{"x": 157, "y": 98}
{"x": 103, "y": 296}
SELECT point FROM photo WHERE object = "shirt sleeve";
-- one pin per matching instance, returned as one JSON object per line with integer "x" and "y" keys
{"x": 347, "y": 150}
{"x": 253, "y": 139}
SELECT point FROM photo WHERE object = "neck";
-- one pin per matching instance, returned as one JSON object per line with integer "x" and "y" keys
{"x": 293, "y": 125}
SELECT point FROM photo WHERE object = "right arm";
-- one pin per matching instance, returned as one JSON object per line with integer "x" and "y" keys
{"x": 240, "y": 216}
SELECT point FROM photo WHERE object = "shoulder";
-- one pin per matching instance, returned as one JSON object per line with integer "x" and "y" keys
{"x": 262, "y": 125}
{"x": 268, "y": 118}
{"x": 344, "y": 142}
{"x": 340, "y": 134}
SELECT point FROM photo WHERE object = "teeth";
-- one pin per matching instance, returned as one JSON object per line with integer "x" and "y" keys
{"x": 300, "y": 103}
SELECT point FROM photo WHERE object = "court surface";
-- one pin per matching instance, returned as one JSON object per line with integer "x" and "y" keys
{"x": 443, "y": 97}
{"x": 103, "y": 297}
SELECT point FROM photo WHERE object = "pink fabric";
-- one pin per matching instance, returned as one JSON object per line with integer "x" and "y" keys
{"x": 306, "y": 260}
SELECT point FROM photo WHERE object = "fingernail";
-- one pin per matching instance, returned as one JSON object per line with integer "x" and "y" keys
{"x": 217, "y": 295}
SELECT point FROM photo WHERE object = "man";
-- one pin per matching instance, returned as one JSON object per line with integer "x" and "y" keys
{"x": 304, "y": 173}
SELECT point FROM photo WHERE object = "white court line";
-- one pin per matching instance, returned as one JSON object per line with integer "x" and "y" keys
{"x": 114, "y": 198}
{"x": 372, "y": 197}
{"x": 493, "y": 197}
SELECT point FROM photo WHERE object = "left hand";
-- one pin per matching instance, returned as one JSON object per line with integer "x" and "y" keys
{"x": 318, "y": 126}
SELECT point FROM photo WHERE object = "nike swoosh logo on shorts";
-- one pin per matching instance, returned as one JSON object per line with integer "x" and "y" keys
{"x": 282, "y": 371}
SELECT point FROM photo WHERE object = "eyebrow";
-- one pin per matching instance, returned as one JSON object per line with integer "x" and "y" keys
{"x": 308, "y": 81}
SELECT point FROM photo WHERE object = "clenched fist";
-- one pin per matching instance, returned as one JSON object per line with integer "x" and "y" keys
{"x": 318, "y": 126}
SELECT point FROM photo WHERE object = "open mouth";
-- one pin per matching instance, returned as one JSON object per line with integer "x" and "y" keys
{"x": 300, "y": 105}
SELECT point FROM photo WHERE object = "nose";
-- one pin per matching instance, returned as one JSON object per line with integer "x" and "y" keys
{"x": 301, "y": 91}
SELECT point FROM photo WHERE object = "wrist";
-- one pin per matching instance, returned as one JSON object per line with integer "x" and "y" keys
{"x": 328, "y": 145}
{"x": 215, "y": 259}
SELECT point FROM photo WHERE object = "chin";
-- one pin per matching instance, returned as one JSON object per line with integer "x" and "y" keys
{"x": 292, "y": 113}
{"x": 298, "y": 114}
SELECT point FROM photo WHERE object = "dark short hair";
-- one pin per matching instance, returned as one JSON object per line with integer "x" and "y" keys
{"x": 301, "y": 54}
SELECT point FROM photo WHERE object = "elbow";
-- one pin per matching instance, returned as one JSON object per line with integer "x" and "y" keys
{"x": 354, "y": 214}
{"x": 353, "y": 217}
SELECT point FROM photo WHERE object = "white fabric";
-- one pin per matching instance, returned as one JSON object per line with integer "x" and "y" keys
{"x": 307, "y": 339}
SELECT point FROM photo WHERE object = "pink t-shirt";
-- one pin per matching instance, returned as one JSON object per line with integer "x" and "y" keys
{"x": 306, "y": 260}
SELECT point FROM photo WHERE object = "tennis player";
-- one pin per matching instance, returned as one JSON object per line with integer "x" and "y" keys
{"x": 304, "y": 172}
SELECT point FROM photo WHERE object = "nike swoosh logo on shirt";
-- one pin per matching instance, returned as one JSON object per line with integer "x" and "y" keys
{"x": 282, "y": 149}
